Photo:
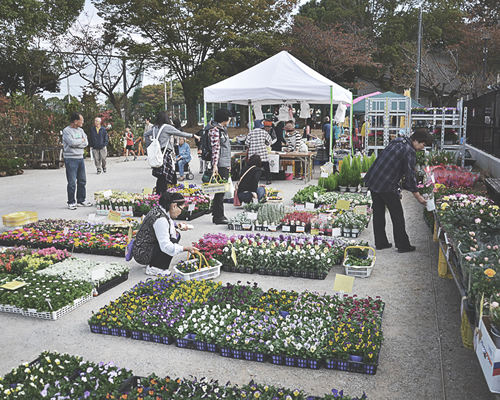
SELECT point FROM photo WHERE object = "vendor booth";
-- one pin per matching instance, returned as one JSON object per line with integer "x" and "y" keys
{"x": 281, "y": 79}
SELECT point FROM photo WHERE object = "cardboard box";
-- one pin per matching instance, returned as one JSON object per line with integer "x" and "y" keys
{"x": 488, "y": 354}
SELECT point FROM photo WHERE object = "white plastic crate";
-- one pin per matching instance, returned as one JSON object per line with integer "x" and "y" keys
{"x": 47, "y": 315}
{"x": 204, "y": 273}
{"x": 359, "y": 271}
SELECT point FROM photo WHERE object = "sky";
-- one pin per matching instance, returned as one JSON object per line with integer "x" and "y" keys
{"x": 76, "y": 83}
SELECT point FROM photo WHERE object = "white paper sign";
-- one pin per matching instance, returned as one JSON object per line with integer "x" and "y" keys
{"x": 285, "y": 228}
{"x": 98, "y": 274}
{"x": 107, "y": 193}
{"x": 66, "y": 230}
{"x": 299, "y": 207}
{"x": 300, "y": 229}
{"x": 324, "y": 175}
{"x": 323, "y": 217}
{"x": 289, "y": 169}
{"x": 191, "y": 207}
{"x": 309, "y": 206}
{"x": 363, "y": 174}
{"x": 315, "y": 194}
{"x": 252, "y": 215}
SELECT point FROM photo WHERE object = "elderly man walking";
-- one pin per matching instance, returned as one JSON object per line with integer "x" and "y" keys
{"x": 98, "y": 140}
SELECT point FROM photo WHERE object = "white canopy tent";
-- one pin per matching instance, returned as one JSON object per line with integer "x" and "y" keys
{"x": 278, "y": 80}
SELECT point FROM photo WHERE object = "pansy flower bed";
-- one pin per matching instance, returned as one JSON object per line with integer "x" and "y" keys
{"x": 245, "y": 322}
{"x": 76, "y": 236}
{"x": 62, "y": 376}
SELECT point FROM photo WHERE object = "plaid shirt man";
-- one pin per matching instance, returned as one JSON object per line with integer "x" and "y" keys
{"x": 257, "y": 141}
{"x": 397, "y": 160}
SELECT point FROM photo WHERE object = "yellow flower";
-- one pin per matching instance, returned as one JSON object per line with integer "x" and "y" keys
{"x": 490, "y": 272}
{"x": 444, "y": 206}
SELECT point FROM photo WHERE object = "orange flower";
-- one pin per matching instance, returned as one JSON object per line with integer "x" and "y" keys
{"x": 490, "y": 272}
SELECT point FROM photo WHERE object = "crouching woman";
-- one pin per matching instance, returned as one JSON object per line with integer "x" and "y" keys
{"x": 157, "y": 240}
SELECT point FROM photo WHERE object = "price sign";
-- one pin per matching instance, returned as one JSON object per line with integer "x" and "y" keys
{"x": 252, "y": 215}
{"x": 107, "y": 193}
{"x": 315, "y": 194}
{"x": 300, "y": 207}
{"x": 98, "y": 274}
{"x": 360, "y": 210}
{"x": 147, "y": 191}
{"x": 285, "y": 228}
{"x": 300, "y": 229}
{"x": 289, "y": 169}
{"x": 114, "y": 216}
{"x": 324, "y": 175}
{"x": 191, "y": 207}
{"x": 323, "y": 217}
{"x": 309, "y": 206}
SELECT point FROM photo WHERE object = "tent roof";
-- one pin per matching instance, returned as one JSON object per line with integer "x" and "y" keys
{"x": 279, "y": 79}
{"x": 359, "y": 107}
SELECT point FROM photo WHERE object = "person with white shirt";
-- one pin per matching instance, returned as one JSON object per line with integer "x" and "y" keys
{"x": 157, "y": 240}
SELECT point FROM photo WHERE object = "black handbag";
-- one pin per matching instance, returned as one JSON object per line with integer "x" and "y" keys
{"x": 207, "y": 175}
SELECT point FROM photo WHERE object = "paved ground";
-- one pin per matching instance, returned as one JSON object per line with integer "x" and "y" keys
{"x": 422, "y": 357}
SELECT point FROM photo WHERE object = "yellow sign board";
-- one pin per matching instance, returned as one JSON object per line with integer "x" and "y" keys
{"x": 114, "y": 216}
{"x": 13, "y": 285}
{"x": 343, "y": 205}
{"x": 147, "y": 191}
{"x": 343, "y": 283}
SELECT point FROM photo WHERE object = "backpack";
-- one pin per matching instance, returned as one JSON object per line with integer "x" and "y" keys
{"x": 155, "y": 155}
{"x": 206, "y": 145}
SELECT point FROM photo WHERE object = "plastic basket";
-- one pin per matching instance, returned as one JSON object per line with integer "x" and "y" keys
{"x": 202, "y": 273}
{"x": 359, "y": 271}
{"x": 19, "y": 218}
{"x": 214, "y": 187}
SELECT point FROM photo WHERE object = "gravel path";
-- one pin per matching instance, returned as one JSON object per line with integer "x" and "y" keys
{"x": 422, "y": 358}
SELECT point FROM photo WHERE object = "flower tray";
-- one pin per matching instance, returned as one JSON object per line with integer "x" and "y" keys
{"x": 162, "y": 339}
{"x": 204, "y": 273}
{"x": 187, "y": 342}
{"x": 120, "y": 332}
{"x": 299, "y": 362}
{"x": 52, "y": 315}
{"x": 352, "y": 366}
{"x": 204, "y": 346}
{"x": 226, "y": 352}
{"x": 122, "y": 213}
{"x": 254, "y": 356}
{"x": 111, "y": 283}
{"x": 277, "y": 359}
{"x": 189, "y": 217}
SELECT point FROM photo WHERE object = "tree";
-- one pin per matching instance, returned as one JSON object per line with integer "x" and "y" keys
{"x": 92, "y": 47}
{"x": 331, "y": 51}
{"x": 26, "y": 26}
{"x": 184, "y": 35}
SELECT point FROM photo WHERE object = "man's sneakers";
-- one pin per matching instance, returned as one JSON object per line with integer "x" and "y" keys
{"x": 85, "y": 204}
{"x": 104, "y": 170}
{"x": 98, "y": 172}
{"x": 157, "y": 271}
{"x": 72, "y": 206}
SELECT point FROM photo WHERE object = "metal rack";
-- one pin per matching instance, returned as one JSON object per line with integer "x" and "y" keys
{"x": 391, "y": 115}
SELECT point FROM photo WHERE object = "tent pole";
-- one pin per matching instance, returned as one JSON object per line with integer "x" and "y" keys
{"x": 250, "y": 119}
{"x": 330, "y": 158}
{"x": 350, "y": 122}
{"x": 205, "y": 114}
